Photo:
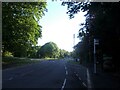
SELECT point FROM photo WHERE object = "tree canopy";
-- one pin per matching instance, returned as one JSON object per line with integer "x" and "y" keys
{"x": 102, "y": 22}
{"x": 50, "y": 50}
{"x": 64, "y": 53}
{"x": 21, "y": 29}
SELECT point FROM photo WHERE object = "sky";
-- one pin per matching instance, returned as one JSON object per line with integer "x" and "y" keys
{"x": 58, "y": 28}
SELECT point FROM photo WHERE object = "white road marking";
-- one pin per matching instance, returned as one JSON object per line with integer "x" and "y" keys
{"x": 65, "y": 68}
{"x": 63, "y": 84}
{"x": 76, "y": 74}
{"x": 88, "y": 80}
{"x": 79, "y": 78}
{"x": 66, "y": 72}
{"x": 10, "y": 78}
{"x": 84, "y": 84}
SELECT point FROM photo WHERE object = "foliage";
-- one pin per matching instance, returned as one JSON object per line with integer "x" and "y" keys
{"x": 102, "y": 22}
{"x": 7, "y": 54}
{"x": 33, "y": 51}
{"x": 64, "y": 53}
{"x": 49, "y": 50}
{"x": 20, "y": 26}
{"x": 8, "y": 62}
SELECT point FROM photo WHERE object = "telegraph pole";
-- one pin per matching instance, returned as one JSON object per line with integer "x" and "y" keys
{"x": 73, "y": 41}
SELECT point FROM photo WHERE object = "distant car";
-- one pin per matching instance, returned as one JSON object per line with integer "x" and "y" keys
{"x": 77, "y": 59}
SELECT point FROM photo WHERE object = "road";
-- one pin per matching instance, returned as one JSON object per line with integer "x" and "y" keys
{"x": 57, "y": 74}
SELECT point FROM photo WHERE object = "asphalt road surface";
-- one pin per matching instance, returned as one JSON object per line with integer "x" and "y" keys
{"x": 56, "y": 74}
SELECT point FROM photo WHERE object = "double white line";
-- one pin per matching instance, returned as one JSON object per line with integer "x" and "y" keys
{"x": 63, "y": 86}
{"x": 66, "y": 70}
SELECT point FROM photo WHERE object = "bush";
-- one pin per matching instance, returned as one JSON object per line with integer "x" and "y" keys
{"x": 7, "y": 54}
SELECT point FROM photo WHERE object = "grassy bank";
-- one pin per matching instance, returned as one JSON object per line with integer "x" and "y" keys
{"x": 8, "y": 62}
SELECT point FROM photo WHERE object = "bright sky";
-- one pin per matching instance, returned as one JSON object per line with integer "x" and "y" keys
{"x": 58, "y": 28}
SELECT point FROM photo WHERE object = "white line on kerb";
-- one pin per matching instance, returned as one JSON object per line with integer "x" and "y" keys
{"x": 88, "y": 80}
{"x": 63, "y": 84}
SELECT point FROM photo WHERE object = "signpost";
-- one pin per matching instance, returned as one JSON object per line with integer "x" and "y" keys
{"x": 96, "y": 42}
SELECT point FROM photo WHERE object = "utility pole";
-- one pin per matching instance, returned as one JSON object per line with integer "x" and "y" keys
{"x": 73, "y": 40}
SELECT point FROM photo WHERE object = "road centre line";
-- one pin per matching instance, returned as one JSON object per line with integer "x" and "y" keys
{"x": 66, "y": 72}
{"x": 76, "y": 74}
{"x": 63, "y": 84}
{"x": 79, "y": 78}
{"x": 65, "y": 67}
{"x": 84, "y": 84}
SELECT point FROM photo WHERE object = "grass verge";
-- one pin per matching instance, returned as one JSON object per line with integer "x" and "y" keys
{"x": 8, "y": 62}
{"x": 50, "y": 58}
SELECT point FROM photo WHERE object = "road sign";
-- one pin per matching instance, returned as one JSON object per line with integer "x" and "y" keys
{"x": 96, "y": 42}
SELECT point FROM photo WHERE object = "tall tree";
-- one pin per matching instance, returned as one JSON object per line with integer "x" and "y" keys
{"x": 21, "y": 29}
{"x": 102, "y": 22}
{"x": 50, "y": 50}
{"x": 64, "y": 53}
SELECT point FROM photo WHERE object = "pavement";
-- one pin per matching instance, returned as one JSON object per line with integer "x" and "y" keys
{"x": 103, "y": 79}
{"x": 100, "y": 80}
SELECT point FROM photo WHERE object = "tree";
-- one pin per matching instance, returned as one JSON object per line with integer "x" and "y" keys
{"x": 64, "y": 53}
{"x": 50, "y": 50}
{"x": 20, "y": 26}
{"x": 33, "y": 51}
{"x": 101, "y": 23}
